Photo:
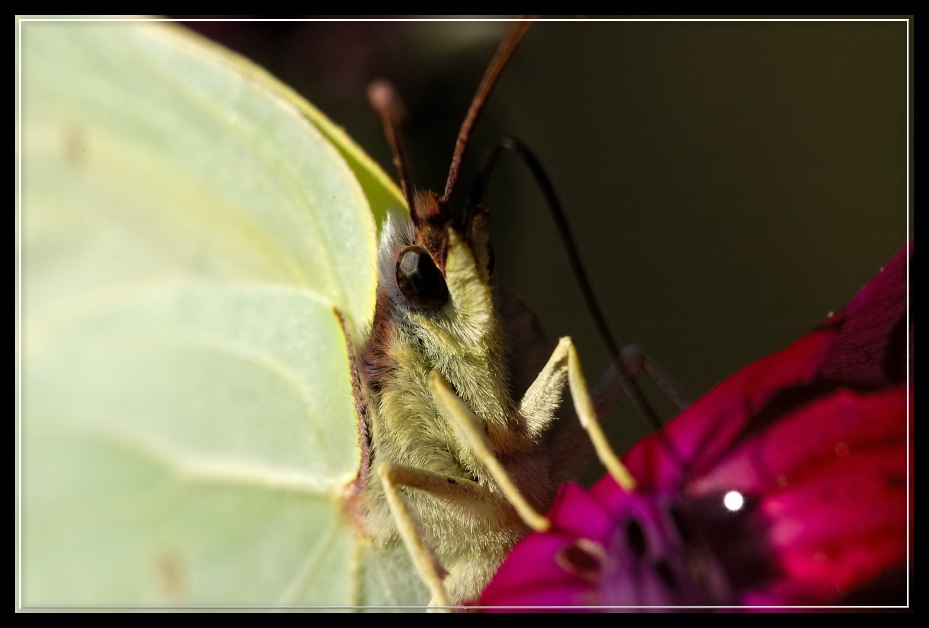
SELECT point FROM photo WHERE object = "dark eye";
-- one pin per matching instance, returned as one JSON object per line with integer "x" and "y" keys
{"x": 419, "y": 280}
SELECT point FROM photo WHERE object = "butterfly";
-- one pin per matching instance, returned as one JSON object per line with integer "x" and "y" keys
{"x": 142, "y": 300}
{"x": 787, "y": 485}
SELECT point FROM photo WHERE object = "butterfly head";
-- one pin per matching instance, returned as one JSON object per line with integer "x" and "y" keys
{"x": 435, "y": 269}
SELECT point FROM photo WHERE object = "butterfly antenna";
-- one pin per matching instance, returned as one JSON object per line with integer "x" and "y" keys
{"x": 384, "y": 99}
{"x": 501, "y": 57}
{"x": 628, "y": 383}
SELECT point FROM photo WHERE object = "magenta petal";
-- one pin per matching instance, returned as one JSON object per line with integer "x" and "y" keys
{"x": 537, "y": 578}
{"x": 869, "y": 348}
{"x": 543, "y": 575}
{"x": 814, "y": 440}
{"x": 820, "y": 434}
{"x": 706, "y": 429}
{"x": 833, "y": 480}
{"x": 580, "y": 514}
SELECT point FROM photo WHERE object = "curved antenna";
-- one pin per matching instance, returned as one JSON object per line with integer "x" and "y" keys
{"x": 630, "y": 387}
{"x": 504, "y": 51}
{"x": 384, "y": 99}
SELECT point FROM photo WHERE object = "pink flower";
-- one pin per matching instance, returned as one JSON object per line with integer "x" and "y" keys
{"x": 786, "y": 485}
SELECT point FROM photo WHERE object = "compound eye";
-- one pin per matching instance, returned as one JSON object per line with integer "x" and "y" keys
{"x": 419, "y": 280}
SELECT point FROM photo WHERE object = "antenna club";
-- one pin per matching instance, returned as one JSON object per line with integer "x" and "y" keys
{"x": 382, "y": 95}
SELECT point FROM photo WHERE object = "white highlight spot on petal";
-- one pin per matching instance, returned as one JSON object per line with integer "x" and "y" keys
{"x": 733, "y": 500}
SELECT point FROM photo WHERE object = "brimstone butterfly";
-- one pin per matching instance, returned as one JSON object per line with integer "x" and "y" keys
{"x": 62, "y": 255}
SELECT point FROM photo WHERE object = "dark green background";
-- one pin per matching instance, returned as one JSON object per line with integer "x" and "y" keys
{"x": 729, "y": 182}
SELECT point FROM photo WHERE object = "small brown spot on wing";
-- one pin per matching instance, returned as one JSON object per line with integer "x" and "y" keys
{"x": 74, "y": 143}
{"x": 171, "y": 577}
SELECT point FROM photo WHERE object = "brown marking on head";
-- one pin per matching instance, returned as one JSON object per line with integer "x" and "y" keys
{"x": 430, "y": 212}
{"x": 431, "y": 221}
{"x": 377, "y": 362}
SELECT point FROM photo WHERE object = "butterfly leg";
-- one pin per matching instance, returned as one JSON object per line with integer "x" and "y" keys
{"x": 393, "y": 476}
{"x": 468, "y": 428}
{"x": 636, "y": 363}
{"x": 565, "y": 363}
{"x": 455, "y": 490}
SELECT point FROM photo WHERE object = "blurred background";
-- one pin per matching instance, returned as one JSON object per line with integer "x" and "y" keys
{"x": 728, "y": 183}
